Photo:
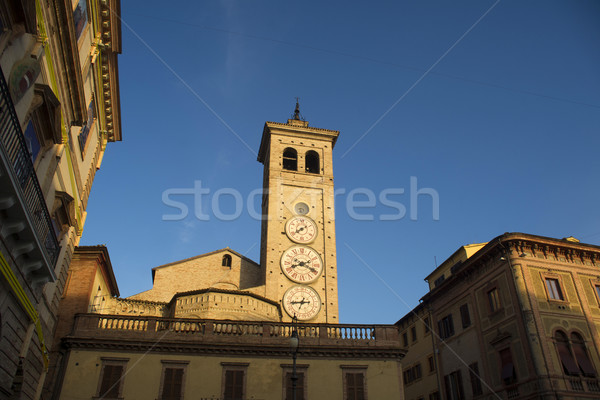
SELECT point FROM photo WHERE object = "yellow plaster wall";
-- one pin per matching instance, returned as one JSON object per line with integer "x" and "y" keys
{"x": 203, "y": 377}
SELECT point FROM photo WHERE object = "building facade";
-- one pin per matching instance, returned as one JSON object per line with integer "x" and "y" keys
{"x": 59, "y": 107}
{"x": 515, "y": 318}
{"x": 219, "y": 325}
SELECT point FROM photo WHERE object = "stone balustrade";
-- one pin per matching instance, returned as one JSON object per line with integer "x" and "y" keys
{"x": 150, "y": 328}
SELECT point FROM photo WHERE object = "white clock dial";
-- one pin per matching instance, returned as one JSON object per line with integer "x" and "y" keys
{"x": 301, "y": 264}
{"x": 302, "y": 302}
{"x": 301, "y": 229}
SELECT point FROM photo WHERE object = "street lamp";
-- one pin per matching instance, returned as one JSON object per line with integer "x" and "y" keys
{"x": 294, "y": 342}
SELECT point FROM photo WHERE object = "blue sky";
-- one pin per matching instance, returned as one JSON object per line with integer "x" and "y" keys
{"x": 494, "y": 105}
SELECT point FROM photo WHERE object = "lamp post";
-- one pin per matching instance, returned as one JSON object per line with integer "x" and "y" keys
{"x": 294, "y": 342}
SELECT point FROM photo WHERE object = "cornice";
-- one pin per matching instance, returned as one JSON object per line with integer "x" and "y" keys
{"x": 232, "y": 349}
{"x": 522, "y": 246}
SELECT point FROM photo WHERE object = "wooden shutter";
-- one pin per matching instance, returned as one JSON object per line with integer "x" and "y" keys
{"x": 172, "y": 384}
{"x": 355, "y": 386}
{"x": 109, "y": 389}
{"x": 234, "y": 385}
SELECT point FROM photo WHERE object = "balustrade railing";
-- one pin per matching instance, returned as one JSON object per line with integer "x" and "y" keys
{"x": 264, "y": 330}
{"x": 13, "y": 145}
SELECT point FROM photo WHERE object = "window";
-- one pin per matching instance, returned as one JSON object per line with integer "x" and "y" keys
{"x": 564, "y": 354}
{"x": 494, "y": 300}
{"x": 289, "y": 386}
{"x": 465, "y": 316}
{"x": 111, "y": 378}
{"x": 426, "y": 323}
{"x": 413, "y": 333}
{"x": 87, "y": 128}
{"x": 581, "y": 355}
{"x": 439, "y": 281}
{"x": 290, "y": 159}
{"x": 431, "y": 363}
{"x": 354, "y": 382}
{"x": 509, "y": 374}
{"x": 301, "y": 373}
{"x": 226, "y": 261}
{"x": 234, "y": 380}
{"x": 454, "y": 387}
{"x": 405, "y": 339}
{"x": 312, "y": 162}
{"x": 172, "y": 380}
{"x": 553, "y": 288}
{"x": 597, "y": 288}
{"x": 475, "y": 379}
{"x": 412, "y": 374}
{"x": 446, "y": 327}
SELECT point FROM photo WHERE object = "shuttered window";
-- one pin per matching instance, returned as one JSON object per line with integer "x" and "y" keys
{"x": 111, "y": 381}
{"x": 234, "y": 385}
{"x": 289, "y": 386}
{"x": 172, "y": 384}
{"x": 355, "y": 386}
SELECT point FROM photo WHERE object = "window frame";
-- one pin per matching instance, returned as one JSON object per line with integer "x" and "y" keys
{"x": 315, "y": 157}
{"x": 504, "y": 365}
{"x": 494, "y": 302}
{"x": 111, "y": 362}
{"x": 596, "y": 288}
{"x": 234, "y": 367}
{"x": 465, "y": 316}
{"x": 431, "y": 363}
{"x": 288, "y": 369}
{"x": 558, "y": 288}
{"x": 446, "y": 326}
{"x": 413, "y": 334}
{"x": 456, "y": 377}
{"x": 475, "y": 377}
{"x": 354, "y": 369}
{"x": 172, "y": 364}
{"x": 289, "y": 159}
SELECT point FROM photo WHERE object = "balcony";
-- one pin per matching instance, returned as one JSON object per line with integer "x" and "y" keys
{"x": 26, "y": 226}
{"x": 222, "y": 336}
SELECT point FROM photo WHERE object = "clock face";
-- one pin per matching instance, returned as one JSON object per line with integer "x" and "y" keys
{"x": 302, "y": 302}
{"x": 301, "y": 264}
{"x": 301, "y": 229}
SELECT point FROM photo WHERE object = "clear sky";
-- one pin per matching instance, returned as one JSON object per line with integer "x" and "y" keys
{"x": 492, "y": 106}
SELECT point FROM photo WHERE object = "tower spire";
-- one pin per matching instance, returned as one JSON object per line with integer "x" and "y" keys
{"x": 296, "y": 115}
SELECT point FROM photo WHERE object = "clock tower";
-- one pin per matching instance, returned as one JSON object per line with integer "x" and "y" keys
{"x": 298, "y": 253}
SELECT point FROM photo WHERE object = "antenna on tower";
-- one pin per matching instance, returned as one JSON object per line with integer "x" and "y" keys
{"x": 297, "y": 116}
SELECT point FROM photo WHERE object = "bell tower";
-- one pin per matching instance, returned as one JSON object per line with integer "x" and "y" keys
{"x": 298, "y": 253}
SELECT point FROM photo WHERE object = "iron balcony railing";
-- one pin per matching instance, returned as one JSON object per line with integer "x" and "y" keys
{"x": 12, "y": 144}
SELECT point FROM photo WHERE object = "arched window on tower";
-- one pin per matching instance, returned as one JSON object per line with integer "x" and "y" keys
{"x": 312, "y": 163}
{"x": 226, "y": 261}
{"x": 290, "y": 159}
{"x": 581, "y": 355}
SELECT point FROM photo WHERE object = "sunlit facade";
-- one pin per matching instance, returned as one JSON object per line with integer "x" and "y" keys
{"x": 59, "y": 107}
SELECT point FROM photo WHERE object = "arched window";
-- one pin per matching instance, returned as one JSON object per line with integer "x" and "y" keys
{"x": 312, "y": 162}
{"x": 226, "y": 261}
{"x": 290, "y": 159}
{"x": 581, "y": 355}
{"x": 564, "y": 353}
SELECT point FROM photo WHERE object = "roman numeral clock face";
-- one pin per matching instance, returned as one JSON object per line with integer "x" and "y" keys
{"x": 301, "y": 264}
{"x": 302, "y": 302}
{"x": 301, "y": 229}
